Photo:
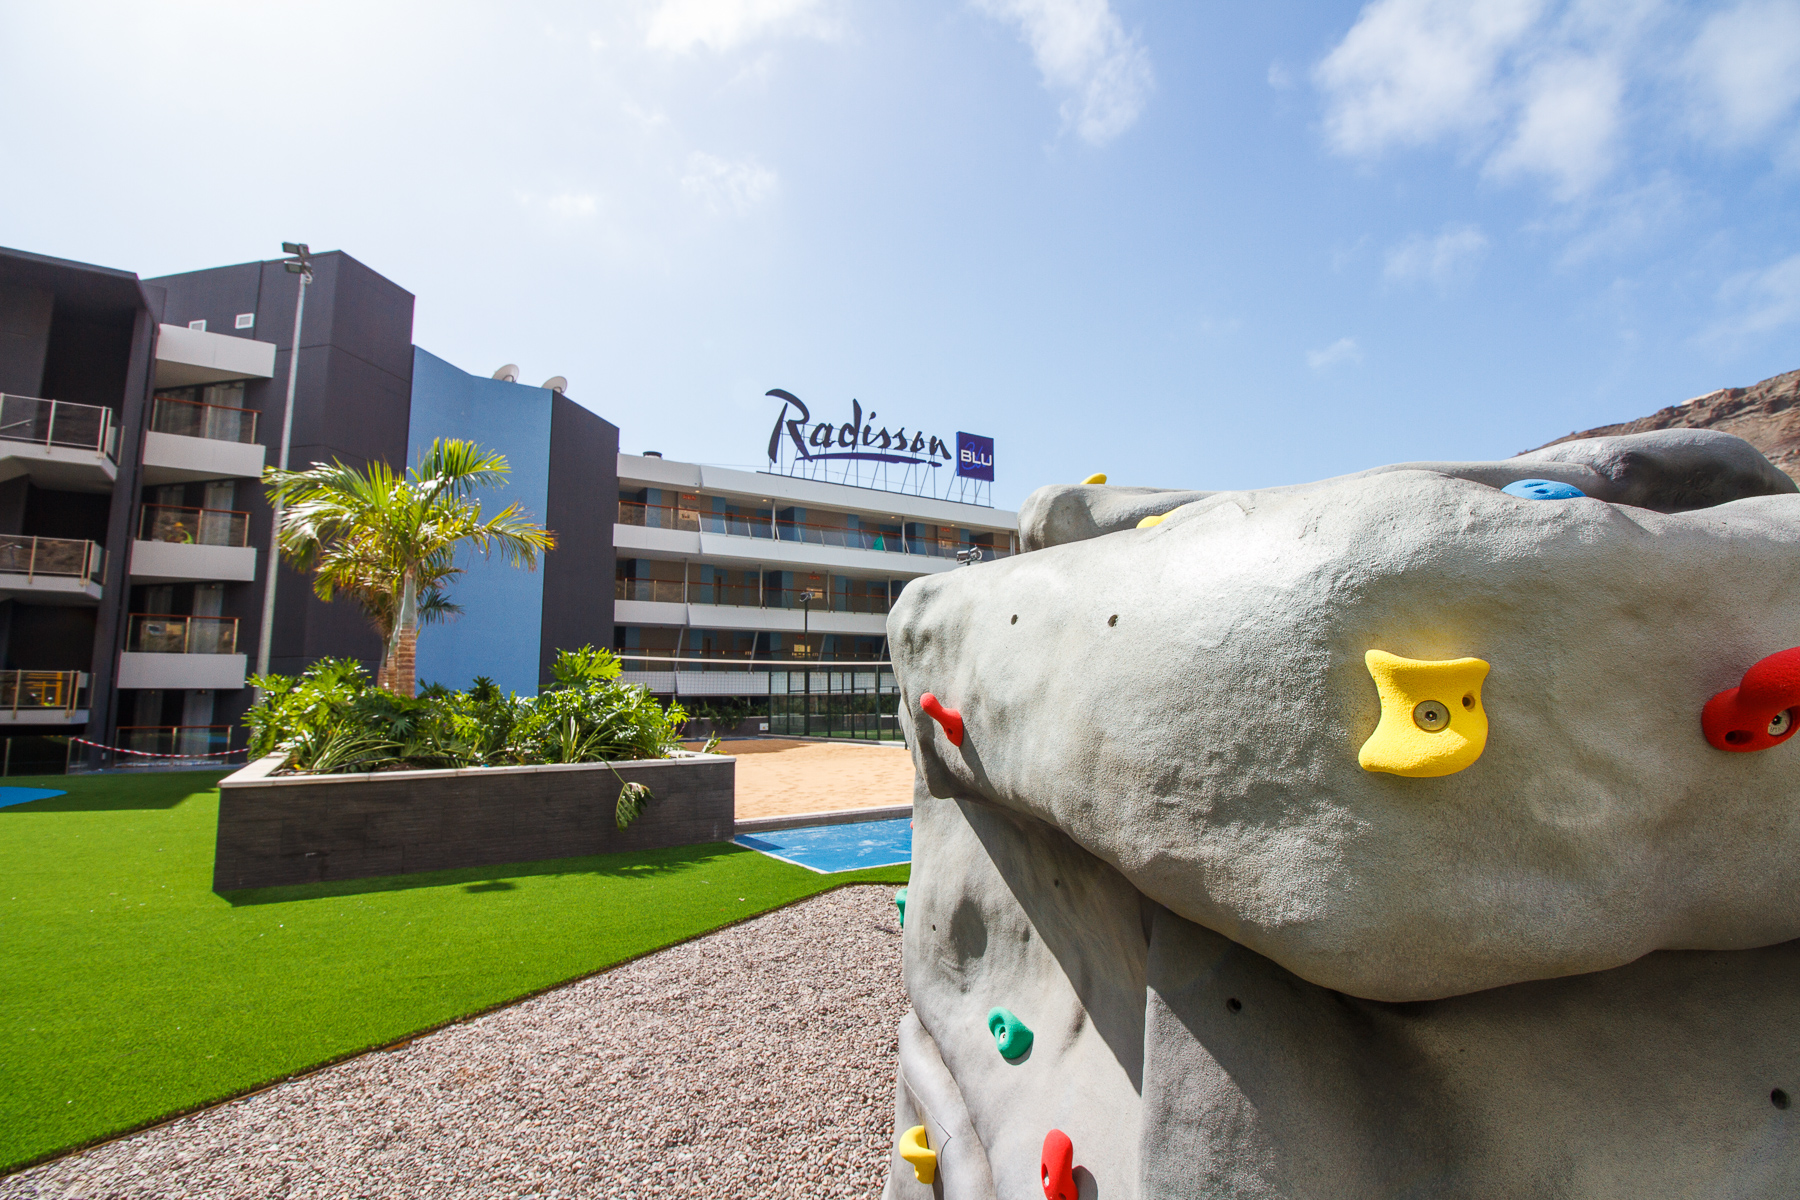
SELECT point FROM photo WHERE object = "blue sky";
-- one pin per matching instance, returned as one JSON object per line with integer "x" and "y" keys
{"x": 1189, "y": 244}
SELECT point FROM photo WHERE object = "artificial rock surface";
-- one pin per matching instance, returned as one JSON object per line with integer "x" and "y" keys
{"x": 1254, "y": 968}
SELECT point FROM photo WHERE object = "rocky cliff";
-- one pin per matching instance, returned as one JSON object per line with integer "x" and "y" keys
{"x": 1767, "y": 415}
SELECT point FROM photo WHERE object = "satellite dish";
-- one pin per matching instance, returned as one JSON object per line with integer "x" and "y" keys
{"x": 509, "y": 373}
{"x": 557, "y": 384}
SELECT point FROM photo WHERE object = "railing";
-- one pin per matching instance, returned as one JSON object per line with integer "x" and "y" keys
{"x": 195, "y": 418}
{"x": 39, "y": 690}
{"x": 56, "y": 423}
{"x": 175, "y": 739}
{"x": 61, "y": 557}
{"x": 656, "y": 516}
{"x": 194, "y": 526}
{"x": 162, "y": 634}
{"x": 744, "y": 595}
{"x": 732, "y": 660}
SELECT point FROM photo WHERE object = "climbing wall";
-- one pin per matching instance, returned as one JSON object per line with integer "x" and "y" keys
{"x": 1422, "y": 832}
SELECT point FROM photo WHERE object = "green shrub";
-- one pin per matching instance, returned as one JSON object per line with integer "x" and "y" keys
{"x": 333, "y": 719}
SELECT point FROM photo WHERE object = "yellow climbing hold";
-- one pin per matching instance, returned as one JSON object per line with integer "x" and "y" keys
{"x": 914, "y": 1151}
{"x": 1432, "y": 722}
{"x": 1148, "y": 522}
{"x": 1099, "y": 478}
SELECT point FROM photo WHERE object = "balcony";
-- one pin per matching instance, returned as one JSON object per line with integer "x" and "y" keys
{"x": 174, "y": 741}
{"x": 63, "y": 446}
{"x": 671, "y": 591}
{"x": 43, "y": 697}
{"x": 50, "y": 570}
{"x": 177, "y": 545}
{"x": 190, "y": 440}
{"x": 165, "y": 651}
{"x": 185, "y": 357}
{"x": 744, "y": 525}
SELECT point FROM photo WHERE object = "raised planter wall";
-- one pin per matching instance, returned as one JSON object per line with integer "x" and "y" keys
{"x": 309, "y": 828}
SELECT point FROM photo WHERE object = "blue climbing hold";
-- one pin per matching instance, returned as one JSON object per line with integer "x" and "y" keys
{"x": 1011, "y": 1035}
{"x": 900, "y": 903}
{"x": 1542, "y": 489}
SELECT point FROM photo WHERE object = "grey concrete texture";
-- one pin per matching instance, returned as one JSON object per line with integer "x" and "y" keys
{"x": 1187, "y": 702}
{"x": 1181, "y": 1064}
{"x": 1672, "y": 470}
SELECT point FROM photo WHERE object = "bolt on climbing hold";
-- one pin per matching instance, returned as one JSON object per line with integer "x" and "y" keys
{"x": 1759, "y": 712}
{"x": 900, "y": 903}
{"x": 914, "y": 1150}
{"x": 1056, "y": 1168}
{"x": 1011, "y": 1035}
{"x": 949, "y": 718}
{"x": 1542, "y": 489}
{"x": 1097, "y": 477}
{"x": 1432, "y": 722}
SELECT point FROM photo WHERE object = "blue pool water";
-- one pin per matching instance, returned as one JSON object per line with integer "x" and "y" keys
{"x": 17, "y": 795}
{"x": 831, "y": 848}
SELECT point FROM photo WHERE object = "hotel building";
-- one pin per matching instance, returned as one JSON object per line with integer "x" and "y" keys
{"x": 136, "y": 417}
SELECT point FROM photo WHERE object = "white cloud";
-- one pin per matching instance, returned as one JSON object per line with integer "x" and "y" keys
{"x": 1760, "y": 301}
{"x": 728, "y": 187}
{"x": 1081, "y": 48}
{"x": 1442, "y": 260}
{"x": 1344, "y": 350}
{"x": 681, "y": 25}
{"x": 1410, "y": 71}
{"x": 1568, "y": 127}
{"x": 1745, "y": 65}
{"x": 573, "y": 204}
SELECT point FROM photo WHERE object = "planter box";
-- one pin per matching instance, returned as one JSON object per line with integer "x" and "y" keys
{"x": 308, "y": 828}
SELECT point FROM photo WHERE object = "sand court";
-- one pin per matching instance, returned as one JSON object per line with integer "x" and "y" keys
{"x": 776, "y": 777}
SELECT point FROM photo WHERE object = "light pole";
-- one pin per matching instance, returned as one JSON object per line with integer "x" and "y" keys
{"x": 298, "y": 264}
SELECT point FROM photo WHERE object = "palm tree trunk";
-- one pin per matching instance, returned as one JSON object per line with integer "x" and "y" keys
{"x": 406, "y": 639}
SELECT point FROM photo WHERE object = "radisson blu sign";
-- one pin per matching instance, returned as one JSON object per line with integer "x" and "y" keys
{"x": 866, "y": 454}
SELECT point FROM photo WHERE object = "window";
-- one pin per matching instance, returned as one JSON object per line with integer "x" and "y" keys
{"x": 197, "y": 325}
{"x": 246, "y": 321}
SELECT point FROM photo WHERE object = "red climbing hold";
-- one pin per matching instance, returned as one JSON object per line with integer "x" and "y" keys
{"x": 949, "y": 718}
{"x": 1058, "y": 1166}
{"x": 1759, "y": 711}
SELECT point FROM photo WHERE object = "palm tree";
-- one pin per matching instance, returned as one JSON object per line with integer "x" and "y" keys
{"x": 389, "y": 541}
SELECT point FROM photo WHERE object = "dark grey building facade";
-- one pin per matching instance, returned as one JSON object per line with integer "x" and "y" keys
{"x": 137, "y": 418}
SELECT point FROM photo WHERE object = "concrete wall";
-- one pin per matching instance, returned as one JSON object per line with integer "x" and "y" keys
{"x": 584, "y": 491}
{"x": 287, "y": 831}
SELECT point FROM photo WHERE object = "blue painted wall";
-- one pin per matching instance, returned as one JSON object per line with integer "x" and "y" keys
{"x": 501, "y": 627}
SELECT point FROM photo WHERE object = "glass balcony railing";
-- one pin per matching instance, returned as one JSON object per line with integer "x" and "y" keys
{"x": 37, "y": 691}
{"x": 56, "y": 423}
{"x": 670, "y": 591}
{"x": 175, "y": 740}
{"x": 157, "y": 634}
{"x": 655, "y": 516}
{"x": 194, "y": 418}
{"x": 61, "y": 557}
{"x": 194, "y": 526}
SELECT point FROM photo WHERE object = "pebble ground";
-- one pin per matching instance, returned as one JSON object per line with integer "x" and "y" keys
{"x": 757, "y": 1061}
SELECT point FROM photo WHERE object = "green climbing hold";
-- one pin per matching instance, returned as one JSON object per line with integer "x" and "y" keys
{"x": 900, "y": 903}
{"x": 1011, "y": 1035}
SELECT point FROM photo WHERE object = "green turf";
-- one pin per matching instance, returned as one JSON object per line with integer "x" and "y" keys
{"x": 129, "y": 990}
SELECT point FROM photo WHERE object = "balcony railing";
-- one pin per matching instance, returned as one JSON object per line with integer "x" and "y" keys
{"x": 161, "y": 634}
{"x": 175, "y": 739}
{"x": 740, "y": 595}
{"x": 36, "y": 691}
{"x": 56, "y": 423}
{"x": 194, "y": 526}
{"x": 656, "y": 516}
{"x": 194, "y": 418}
{"x": 61, "y": 557}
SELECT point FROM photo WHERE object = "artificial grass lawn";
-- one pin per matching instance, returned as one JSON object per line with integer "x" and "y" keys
{"x": 129, "y": 990}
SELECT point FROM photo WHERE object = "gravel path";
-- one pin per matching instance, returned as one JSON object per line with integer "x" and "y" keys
{"x": 754, "y": 1062}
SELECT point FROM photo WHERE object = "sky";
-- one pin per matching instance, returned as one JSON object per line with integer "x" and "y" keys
{"x": 1186, "y": 243}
